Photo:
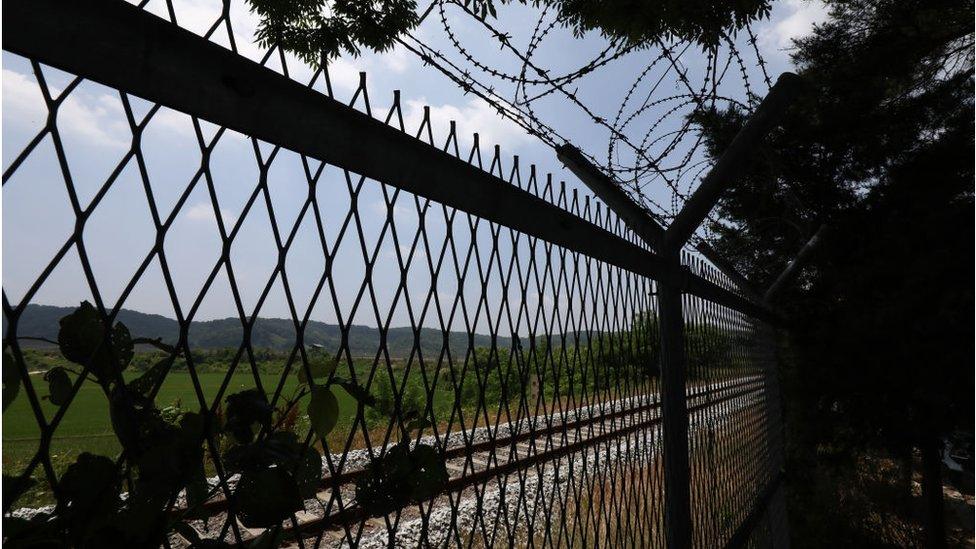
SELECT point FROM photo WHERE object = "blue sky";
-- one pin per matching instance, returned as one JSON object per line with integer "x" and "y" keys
{"x": 37, "y": 217}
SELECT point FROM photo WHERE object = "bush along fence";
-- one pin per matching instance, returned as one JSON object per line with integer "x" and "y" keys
{"x": 508, "y": 364}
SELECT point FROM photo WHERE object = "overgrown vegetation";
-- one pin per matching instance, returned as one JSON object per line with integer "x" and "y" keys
{"x": 163, "y": 449}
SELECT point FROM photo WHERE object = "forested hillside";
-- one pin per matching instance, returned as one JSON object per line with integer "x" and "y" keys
{"x": 268, "y": 333}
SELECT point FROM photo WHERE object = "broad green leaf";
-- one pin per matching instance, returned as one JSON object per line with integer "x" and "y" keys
{"x": 247, "y": 412}
{"x": 134, "y": 419}
{"x": 309, "y": 473}
{"x": 11, "y": 380}
{"x": 400, "y": 477}
{"x": 140, "y": 519}
{"x": 428, "y": 475}
{"x": 384, "y": 486}
{"x": 91, "y": 486}
{"x": 190, "y": 439}
{"x": 197, "y": 491}
{"x": 81, "y": 333}
{"x": 82, "y": 340}
{"x": 150, "y": 378}
{"x": 323, "y": 411}
{"x": 58, "y": 385}
{"x": 321, "y": 367}
{"x": 42, "y": 531}
{"x": 265, "y": 497}
{"x": 418, "y": 423}
{"x": 357, "y": 392}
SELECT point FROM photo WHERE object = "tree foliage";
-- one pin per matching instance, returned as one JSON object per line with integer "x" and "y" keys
{"x": 705, "y": 22}
{"x": 879, "y": 150}
{"x": 317, "y": 30}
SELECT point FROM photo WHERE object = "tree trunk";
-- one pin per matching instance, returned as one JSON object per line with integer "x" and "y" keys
{"x": 935, "y": 533}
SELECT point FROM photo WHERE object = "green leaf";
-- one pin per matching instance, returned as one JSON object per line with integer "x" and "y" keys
{"x": 89, "y": 489}
{"x": 197, "y": 491}
{"x": 323, "y": 411}
{"x": 309, "y": 473}
{"x": 11, "y": 380}
{"x": 357, "y": 392}
{"x": 135, "y": 420}
{"x": 321, "y": 367}
{"x": 142, "y": 519}
{"x": 81, "y": 333}
{"x": 400, "y": 477}
{"x": 383, "y": 488}
{"x": 189, "y": 444}
{"x": 247, "y": 412}
{"x": 14, "y": 487}
{"x": 428, "y": 475}
{"x": 418, "y": 423}
{"x": 150, "y": 378}
{"x": 266, "y": 497}
{"x": 82, "y": 340}
{"x": 58, "y": 385}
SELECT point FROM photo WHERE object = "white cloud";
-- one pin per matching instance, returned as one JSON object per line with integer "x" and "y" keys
{"x": 22, "y": 101}
{"x": 397, "y": 60}
{"x": 97, "y": 119}
{"x": 203, "y": 211}
{"x": 174, "y": 121}
{"x": 797, "y": 19}
{"x": 401, "y": 213}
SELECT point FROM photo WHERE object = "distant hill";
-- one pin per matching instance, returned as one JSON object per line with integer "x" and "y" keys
{"x": 270, "y": 333}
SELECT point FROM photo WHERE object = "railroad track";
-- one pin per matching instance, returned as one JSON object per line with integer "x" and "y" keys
{"x": 474, "y": 458}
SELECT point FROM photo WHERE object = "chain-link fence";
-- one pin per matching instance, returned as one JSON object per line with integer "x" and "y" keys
{"x": 470, "y": 361}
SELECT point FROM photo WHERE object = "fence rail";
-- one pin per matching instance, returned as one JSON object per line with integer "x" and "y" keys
{"x": 560, "y": 381}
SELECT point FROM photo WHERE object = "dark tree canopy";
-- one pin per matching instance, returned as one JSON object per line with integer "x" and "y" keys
{"x": 880, "y": 150}
{"x": 642, "y": 22}
{"x": 321, "y": 29}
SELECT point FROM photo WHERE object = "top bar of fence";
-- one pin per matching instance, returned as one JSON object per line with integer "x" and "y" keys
{"x": 732, "y": 160}
{"x": 794, "y": 266}
{"x": 122, "y": 46}
{"x": 636, "y": 218}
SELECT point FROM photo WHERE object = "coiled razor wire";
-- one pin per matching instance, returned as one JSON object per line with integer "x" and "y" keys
{"x": 652, "y": 139}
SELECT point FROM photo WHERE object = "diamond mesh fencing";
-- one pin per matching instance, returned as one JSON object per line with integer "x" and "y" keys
{"x": 734, "y": 437}
{"x": 395, "y": 371}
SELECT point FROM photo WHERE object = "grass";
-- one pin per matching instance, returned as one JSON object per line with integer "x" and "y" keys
{"x": 86, "y": 426}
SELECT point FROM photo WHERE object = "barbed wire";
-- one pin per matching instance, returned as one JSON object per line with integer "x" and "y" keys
{"x": 653, "y": 143}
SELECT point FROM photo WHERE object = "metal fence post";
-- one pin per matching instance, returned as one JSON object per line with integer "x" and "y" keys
{"x": 674, "y": 405}
{"x": 677, "y": 473}
{"x": 674, "y": 410}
